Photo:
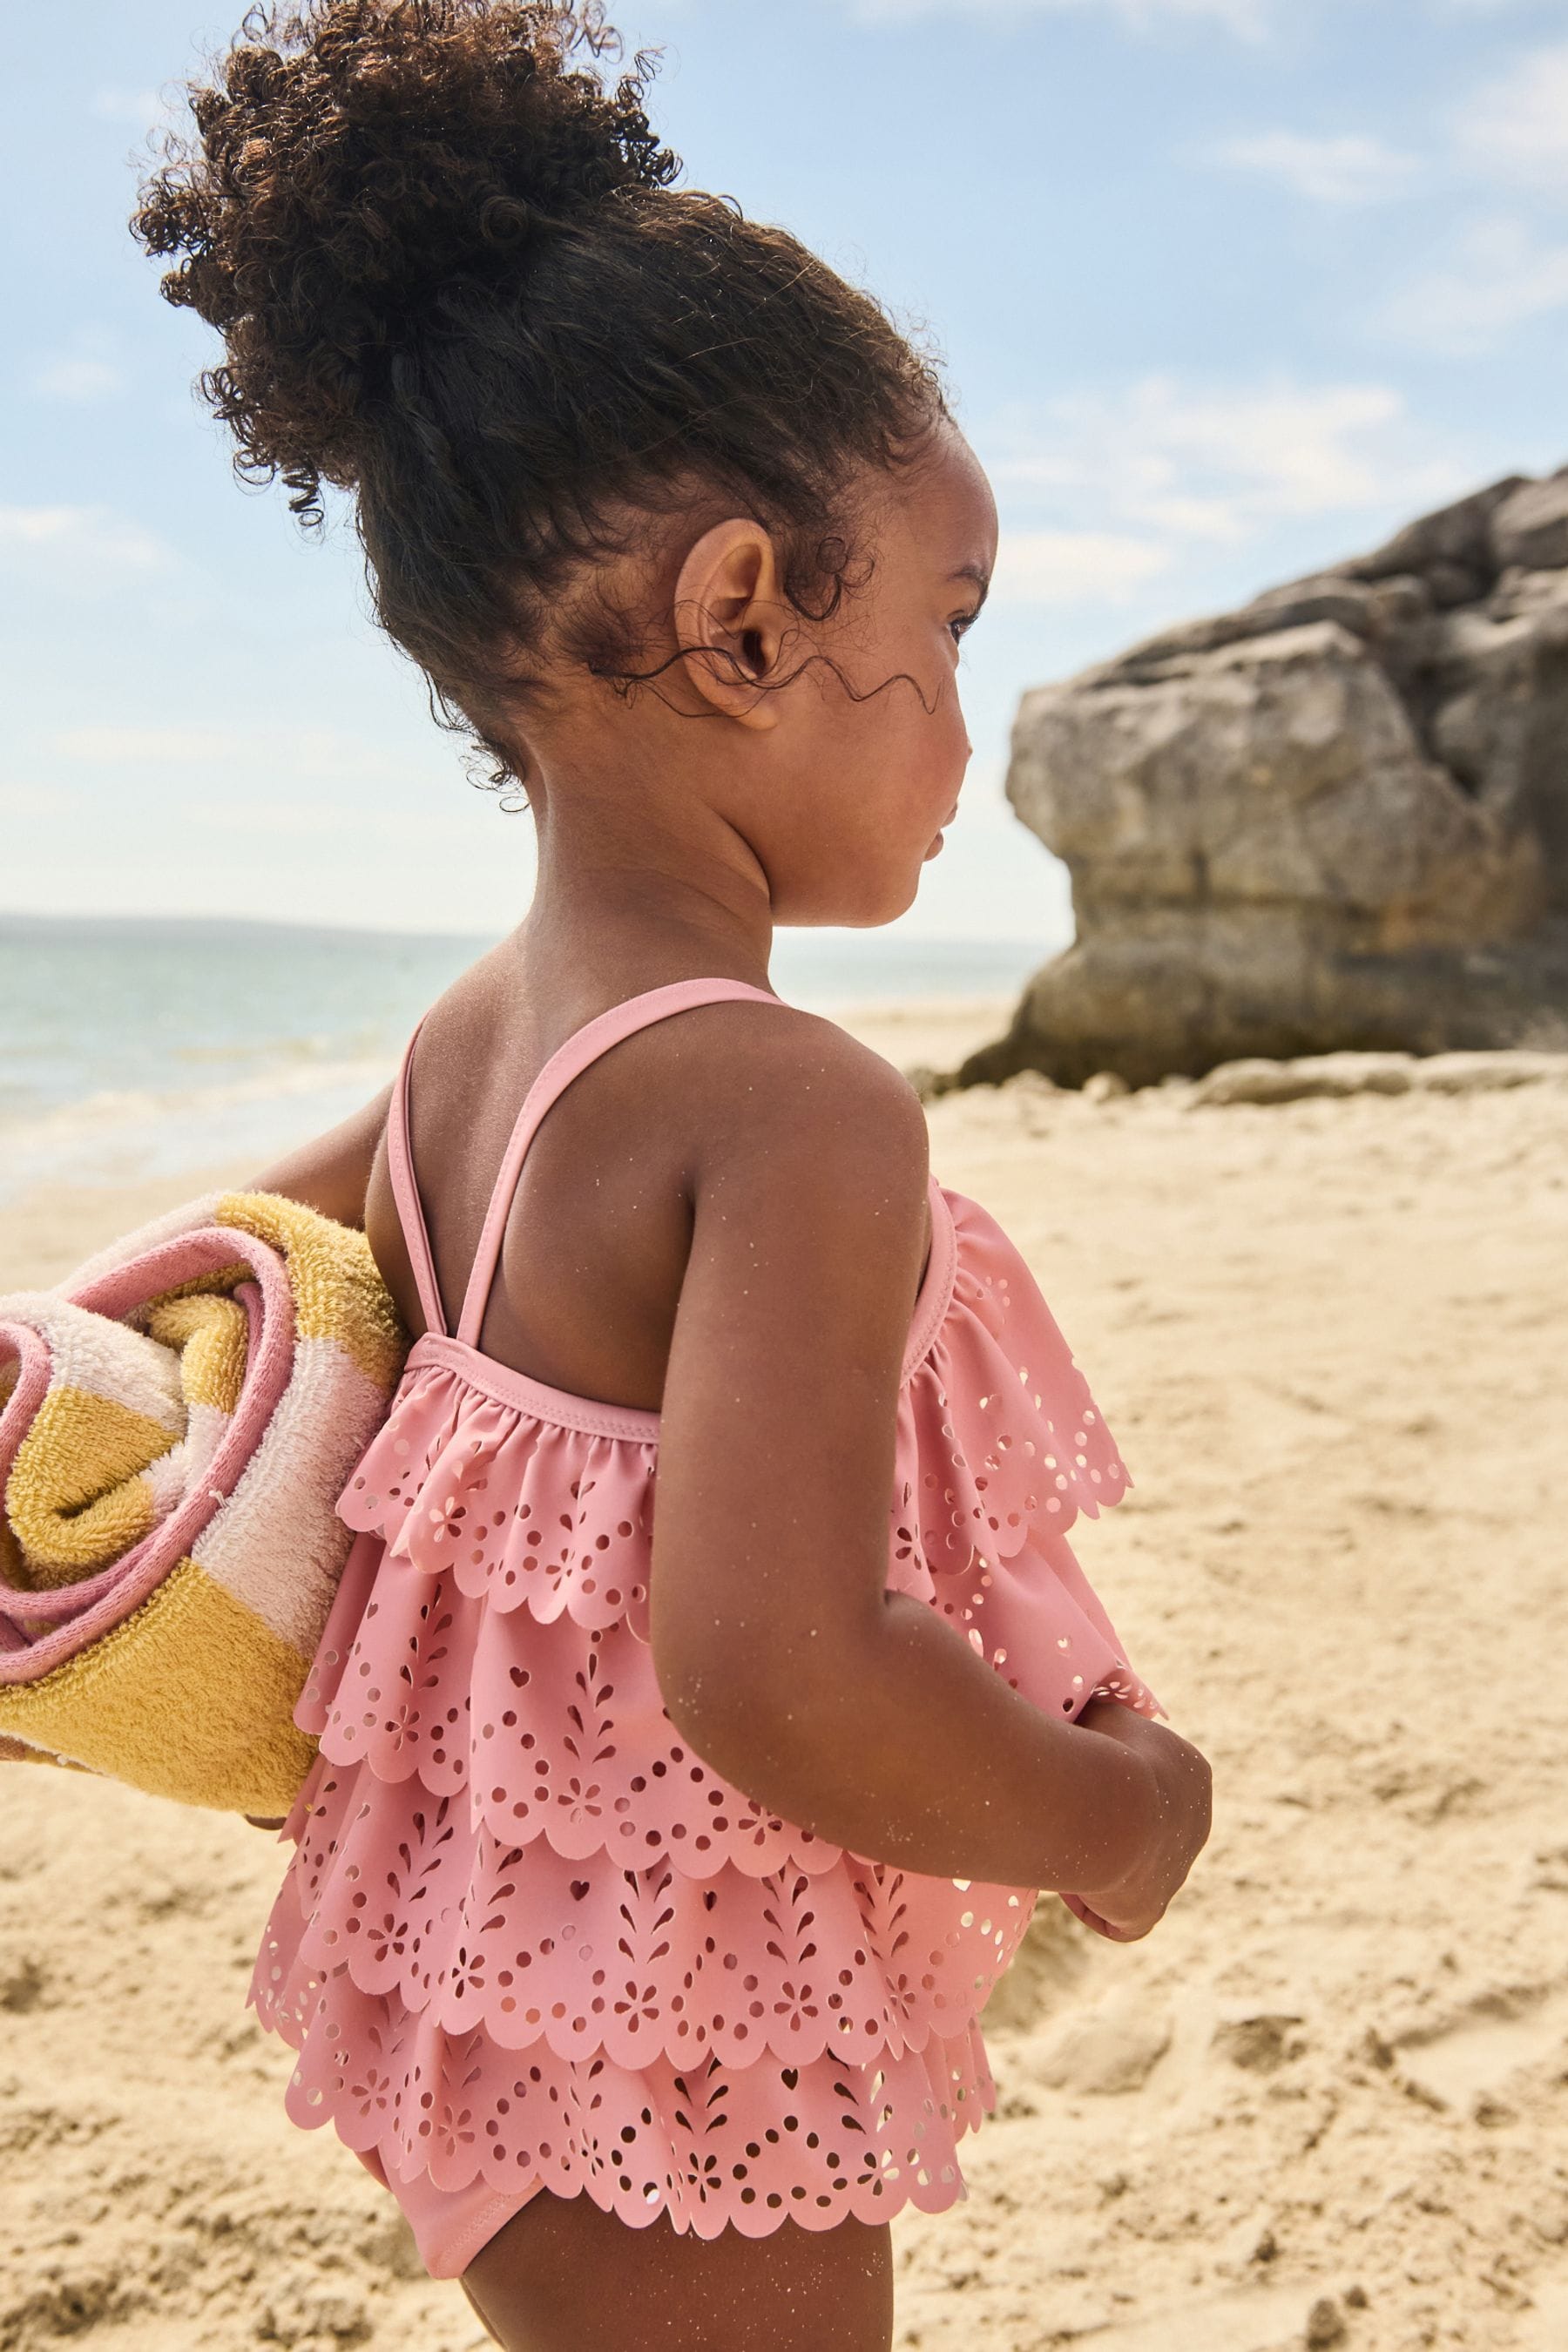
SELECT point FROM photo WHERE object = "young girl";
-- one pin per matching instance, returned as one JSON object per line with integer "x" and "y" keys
{"x": 659, "y": 1854}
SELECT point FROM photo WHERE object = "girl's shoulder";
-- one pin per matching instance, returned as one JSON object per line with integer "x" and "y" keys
{"x": 701, "y": 1068}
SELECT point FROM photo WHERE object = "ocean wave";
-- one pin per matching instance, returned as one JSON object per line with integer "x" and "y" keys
{"x": 145, "y": 1049}
{"x": 122, "y": 1134}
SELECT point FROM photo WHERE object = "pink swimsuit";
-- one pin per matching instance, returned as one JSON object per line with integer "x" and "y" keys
{"x": 527, "y": 1940}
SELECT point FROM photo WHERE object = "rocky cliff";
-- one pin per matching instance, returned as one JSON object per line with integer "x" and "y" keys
{"x": 1335, "y": 818}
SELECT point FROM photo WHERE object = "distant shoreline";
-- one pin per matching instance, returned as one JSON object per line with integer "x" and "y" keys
{"x": 208, "y": 927}
{"x": 886, "y": 940}
{"x": 108, "y": 1130}
{"x": 148, "y": 1058}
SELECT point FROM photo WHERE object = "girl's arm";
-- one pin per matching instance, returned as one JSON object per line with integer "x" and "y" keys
{"x": 331, "y": 1172}
{"x": 783, "y": 1658}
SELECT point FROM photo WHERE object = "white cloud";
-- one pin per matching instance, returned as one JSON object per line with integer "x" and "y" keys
{"x": 253, "y": 818}
{"x": 1349, "y": 169}
{"x": 305, "y": 820}
{"x": 312, "y": 754}
{"x": 1165, "y": 463}
{"x": 1515, "y": 128}
{"x": 1073, "y": 567}
{"x": 164, "y": 746}
{"x": 1248, "y": 19}
{"x": 1501, "y": 275}
{"x": 1499, "y": 269}
{"x": 77, "y": 380}
{"x": 1187, "y": 516}
{"x": 141, "y": 106}
{"x": 333, "y": 755}
{"x": 29, "y": 801}
{"x": 84, "y": 539}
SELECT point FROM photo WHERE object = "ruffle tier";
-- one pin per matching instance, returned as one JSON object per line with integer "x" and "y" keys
{"x": 526, "y": 1933}
{"x": 708, "y": 2144}
{"x": 859, "y": 1961}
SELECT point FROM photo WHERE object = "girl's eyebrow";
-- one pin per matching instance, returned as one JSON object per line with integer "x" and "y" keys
{"x": 978, "y": 573}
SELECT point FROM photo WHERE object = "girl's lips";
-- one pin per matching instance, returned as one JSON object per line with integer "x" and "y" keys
{"x": 947, "y": 820}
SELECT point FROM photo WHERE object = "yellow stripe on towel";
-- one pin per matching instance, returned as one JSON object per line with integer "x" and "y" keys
{"x": 212, "y": 1334}
{"x": 189, "y": 1699}
{"x": 338, "y": 1293}
{"x": 76, "y": 1497}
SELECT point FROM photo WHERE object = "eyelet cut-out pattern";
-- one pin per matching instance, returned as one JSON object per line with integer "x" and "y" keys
{"x": 857, "y": 1959}
{"x": 709, "y": 2144}
{"x": 526, "y": 1935}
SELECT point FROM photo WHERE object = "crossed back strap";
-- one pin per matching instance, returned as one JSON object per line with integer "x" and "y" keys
{"x": 584, "y": 1045}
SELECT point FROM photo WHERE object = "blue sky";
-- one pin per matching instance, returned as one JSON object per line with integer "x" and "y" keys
{"x": 1223, "y": 287}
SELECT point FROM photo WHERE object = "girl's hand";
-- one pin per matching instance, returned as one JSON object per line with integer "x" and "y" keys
{"x": 1080, "y": 1910}
{"x": 1126, "y": 1910}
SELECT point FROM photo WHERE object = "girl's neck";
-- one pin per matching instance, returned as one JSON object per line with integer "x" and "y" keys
{"x": 618, "y": 933}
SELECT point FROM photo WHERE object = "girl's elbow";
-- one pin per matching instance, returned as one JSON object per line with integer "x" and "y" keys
{"x": 696, "y": 1700}
{"x": 742, "y": 1713}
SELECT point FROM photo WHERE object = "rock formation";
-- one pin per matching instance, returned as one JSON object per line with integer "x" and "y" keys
{"x": 1337, "y": 818}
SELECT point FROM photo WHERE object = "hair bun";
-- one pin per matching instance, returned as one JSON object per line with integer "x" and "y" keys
{"x": 354, "y": 165}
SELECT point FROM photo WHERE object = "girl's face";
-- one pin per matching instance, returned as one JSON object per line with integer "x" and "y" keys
{"x": 831, "y": 753}
{"x": 877, "y": 754}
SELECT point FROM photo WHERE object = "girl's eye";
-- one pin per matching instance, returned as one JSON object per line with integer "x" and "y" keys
{"x": 961, "y": 623}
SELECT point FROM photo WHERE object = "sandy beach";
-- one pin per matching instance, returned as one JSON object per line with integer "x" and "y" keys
{"x": 1326, "y": 2103}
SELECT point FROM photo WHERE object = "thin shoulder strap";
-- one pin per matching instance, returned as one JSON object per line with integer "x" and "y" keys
{"x": 584, "y": 1045}
{"x": 406, "y": 1194}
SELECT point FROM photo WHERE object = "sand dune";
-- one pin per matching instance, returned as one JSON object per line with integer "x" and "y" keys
{"x": 1327, "y": 2102}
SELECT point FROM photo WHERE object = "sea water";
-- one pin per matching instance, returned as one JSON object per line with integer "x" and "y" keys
{"x": 133, "y": 1048}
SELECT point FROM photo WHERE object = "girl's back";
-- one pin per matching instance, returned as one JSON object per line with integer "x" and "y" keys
{"x": 598, "y": 1234}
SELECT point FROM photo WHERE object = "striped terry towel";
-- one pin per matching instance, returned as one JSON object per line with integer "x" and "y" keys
{"x": 177, "y": 1420}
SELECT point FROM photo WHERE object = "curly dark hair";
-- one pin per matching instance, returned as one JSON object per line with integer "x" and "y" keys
{"x": 453, "y": 279}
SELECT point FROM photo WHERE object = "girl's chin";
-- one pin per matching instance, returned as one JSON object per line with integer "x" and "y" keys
{"x": 936, "y": 845}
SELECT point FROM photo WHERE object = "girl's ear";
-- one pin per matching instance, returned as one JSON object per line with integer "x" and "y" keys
{"x": 730, "y": 619}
